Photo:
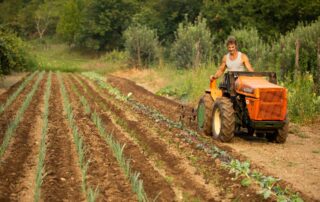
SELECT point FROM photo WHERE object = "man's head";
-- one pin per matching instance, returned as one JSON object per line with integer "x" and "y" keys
{"x": 231, "y": 44}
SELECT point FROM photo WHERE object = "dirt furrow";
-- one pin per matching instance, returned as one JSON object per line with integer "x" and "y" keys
{"x": 104, "y": 171}
{"x": 176, "y": 165}
{"x": 8, "y": 115}
{"x": 146, "y": 97}
{"x": 18, "y": 165}
{"x": 62, "y": 181}
{"x": 155, "y": 185}
{"x": 12, "y": 89}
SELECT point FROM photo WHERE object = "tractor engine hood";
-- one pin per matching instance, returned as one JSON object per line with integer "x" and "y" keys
{"x": 265, "y": 101}
{"x": 251, "y": 86}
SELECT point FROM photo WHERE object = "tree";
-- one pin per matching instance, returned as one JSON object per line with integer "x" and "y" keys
{"x": 104, "y": 22}
{"x": 193, "y": 44}
{"x": 70, "y": 18}
{"x": 142, "y": 45}
{"x": 165, "y": 15}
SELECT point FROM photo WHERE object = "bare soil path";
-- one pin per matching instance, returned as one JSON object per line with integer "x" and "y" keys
{"x": 297, "y": 161}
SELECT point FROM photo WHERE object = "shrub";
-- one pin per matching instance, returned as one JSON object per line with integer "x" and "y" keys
{"x": 308, "y": 35}
{"x": 193, "y": 44}
{"x": 303, "y": 103}
{"x": 13, "y": 54}
{"x": 115, "y": 56}
{"x": 141, "y": 43}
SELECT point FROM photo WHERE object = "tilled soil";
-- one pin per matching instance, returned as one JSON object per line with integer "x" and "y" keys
{"x": 296, "y": 162}
{"x": 9, "y": 113}
{"x": 175, "y": 162}
{"x": 62, "y": 181}
{"x": 19, "y": 161}
{"x": 171, "y": 167}
{"x": 104, "y": 172}
{"x": 155, "y": 185}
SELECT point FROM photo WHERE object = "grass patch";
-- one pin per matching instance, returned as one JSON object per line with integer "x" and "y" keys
{"x": 53, "y": 56}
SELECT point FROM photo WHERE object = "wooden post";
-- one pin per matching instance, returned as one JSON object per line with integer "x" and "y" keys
{"x": 297, "y": 67}
{"x": 318, "y": 72}
{"x": 282, "y": 61}
{"x": 197, "y": 56}
{"x": 139, "y": 54}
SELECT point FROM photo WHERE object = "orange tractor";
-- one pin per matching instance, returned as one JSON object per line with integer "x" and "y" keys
{"x": 250, "y": 100}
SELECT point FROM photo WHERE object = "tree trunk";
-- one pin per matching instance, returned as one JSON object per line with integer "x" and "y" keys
{"x": 139, "y": 54}
{"x": 197, "y": 56}
{"x": 282, "y": 62}
{"x": 297, "y": 67}
{"x": 317, "y": 83}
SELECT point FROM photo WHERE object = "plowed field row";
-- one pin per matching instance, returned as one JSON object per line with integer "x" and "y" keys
{"x": 97, "y": 144}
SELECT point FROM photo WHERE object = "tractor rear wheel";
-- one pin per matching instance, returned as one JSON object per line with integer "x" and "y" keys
{"x": 204, "y": 114}
{"x": 223, "y": 119}
{"x": 280, "y": 135}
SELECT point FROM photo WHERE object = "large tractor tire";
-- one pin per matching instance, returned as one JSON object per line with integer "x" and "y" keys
{"x": 280, "y": 135}
{"x": 204, "y": 114}
{"x": 223, "y": 119}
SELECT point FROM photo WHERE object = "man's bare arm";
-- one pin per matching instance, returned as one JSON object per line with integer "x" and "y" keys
{"x": 221, "y": 69}
{"x": 246, "y": 62}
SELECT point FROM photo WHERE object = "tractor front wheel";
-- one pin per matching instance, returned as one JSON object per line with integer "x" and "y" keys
{"x": 204, "y": 114}
{"x": 223, "y": 119}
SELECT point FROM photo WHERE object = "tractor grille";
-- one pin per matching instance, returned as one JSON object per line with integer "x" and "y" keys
{"x": 271, "y": 96}
{"x": 272, "y": 105}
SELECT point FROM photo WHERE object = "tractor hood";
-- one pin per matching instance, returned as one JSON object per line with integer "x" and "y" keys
{"x": 251, "y": 86}
{"x": 265, "y": 101}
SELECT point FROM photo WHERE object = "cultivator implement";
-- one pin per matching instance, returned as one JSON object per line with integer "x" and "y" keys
{"x": 188, "y": 115}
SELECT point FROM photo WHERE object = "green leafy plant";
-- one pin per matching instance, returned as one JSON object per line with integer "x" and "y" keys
{"x": 13, "y": 54}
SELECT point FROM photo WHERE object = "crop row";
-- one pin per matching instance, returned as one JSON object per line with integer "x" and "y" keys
{"x": 42, "y": 149}
{"x": 117, "y": 149}
{"x": 90, "y": 193}
{"x": 268, "y": 184}
{"x": 18, "y": 117}
{"x": 13, "y": 96}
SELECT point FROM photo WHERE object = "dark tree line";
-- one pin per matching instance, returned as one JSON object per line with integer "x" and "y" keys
{"x": 99, "y": 24}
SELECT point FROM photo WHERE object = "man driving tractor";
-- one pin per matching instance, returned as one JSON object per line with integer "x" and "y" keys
{"x": 233, "y": 61}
